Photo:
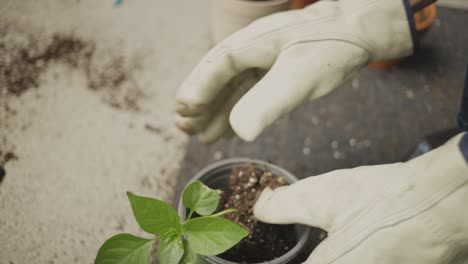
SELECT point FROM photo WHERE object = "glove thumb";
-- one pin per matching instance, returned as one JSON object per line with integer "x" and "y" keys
{"x": 324, "y": 201}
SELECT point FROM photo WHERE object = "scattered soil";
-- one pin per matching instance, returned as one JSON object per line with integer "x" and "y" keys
{"x": 25, "y": 56}
{"x": 22, "y": 67}
{"x": 8, "y": 156}
{"x": 153, "y": 128}
{"x": 159, "y": 131}
{"x": 4, "y": 159}
{"x": 266, "y": 241}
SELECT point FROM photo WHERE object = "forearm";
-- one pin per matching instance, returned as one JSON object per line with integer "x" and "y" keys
{"x": 417, "y": 5}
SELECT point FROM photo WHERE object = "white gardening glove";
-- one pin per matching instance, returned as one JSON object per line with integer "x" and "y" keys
{"x": 403, "y": 213}
{"x": 307, "y": 53}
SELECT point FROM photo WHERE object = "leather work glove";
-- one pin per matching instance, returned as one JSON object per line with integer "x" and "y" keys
{"x": 406, "y": 213}
{"x": 307, "y": 54}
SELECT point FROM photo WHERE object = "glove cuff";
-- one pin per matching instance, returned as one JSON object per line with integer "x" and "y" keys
{"x": 385, "y": 29}
{"x": 388, "y": 28}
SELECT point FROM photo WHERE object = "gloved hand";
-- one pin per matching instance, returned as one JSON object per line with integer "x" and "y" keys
{"x": 405, "y": 213}
{"x": 307, "y": 53}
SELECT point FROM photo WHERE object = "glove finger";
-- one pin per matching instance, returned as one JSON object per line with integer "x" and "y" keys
{"x": 300, "y": 72}
{"x": 285, "y": 86}
{"x": 322, "y": 201}
{"x": 193, "y": 124}
{"x": 219, "y": 125}
{"x": 241, "y": 51}
{"x": 186, "y": 110}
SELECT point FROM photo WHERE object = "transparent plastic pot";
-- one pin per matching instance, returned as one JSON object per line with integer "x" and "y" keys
{"x": 216, "y": 176}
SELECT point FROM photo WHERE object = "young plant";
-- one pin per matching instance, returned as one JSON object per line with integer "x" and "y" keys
{"x": 179, "y": 243}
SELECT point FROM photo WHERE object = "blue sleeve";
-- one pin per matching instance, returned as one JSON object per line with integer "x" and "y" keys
{"x": 464, "y": 146}
{"x": 409, "y": 13}
{"x": 463, "y": 114}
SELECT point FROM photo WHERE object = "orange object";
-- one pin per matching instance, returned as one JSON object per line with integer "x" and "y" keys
{"x": 298, "y": 4}
{"x": 423, "y": 20}
{"x": 384, "y": 65}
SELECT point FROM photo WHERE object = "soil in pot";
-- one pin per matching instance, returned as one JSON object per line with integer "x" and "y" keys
{"x": 265, "y": 242}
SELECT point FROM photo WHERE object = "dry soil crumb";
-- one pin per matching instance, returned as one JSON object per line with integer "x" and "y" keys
{"x": 7, "y": 156}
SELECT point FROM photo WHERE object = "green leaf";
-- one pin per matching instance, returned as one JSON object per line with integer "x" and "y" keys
{"x": 213, "y": 235}
{"x": 171, "y": 249}
{"x": 154, "y": 216}
{"x": 125, "y": 248}
{"x": 189, "y": 256}
{"x": 200, "y": 198}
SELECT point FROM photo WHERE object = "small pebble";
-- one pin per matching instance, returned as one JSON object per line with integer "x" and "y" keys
{"x": 367, "y": 143}
{"x": 352, "y": 142}
{"x": 306, "y": 151}
{"x": 409, "y": 94}
{"x": 248, "y": 185}
{"x": 355, "y": 83}
{"x": 335, "y": 144}
{"x": 218, "y": 155}
{"x": 315, "y": 121}
{"x": 337, "y": 155}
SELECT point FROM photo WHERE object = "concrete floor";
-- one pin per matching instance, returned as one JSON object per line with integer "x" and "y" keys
{"x": 73, "y": 145}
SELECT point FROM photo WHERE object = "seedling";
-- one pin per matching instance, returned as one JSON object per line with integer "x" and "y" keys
{"x": 179, "y": 243}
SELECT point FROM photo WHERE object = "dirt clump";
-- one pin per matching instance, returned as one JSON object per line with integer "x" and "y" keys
{"x": 265, "y": 241}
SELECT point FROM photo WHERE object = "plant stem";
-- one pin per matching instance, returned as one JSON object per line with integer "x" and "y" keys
{"x": 190, "y": 215}
{"x": 227, "y": 211}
